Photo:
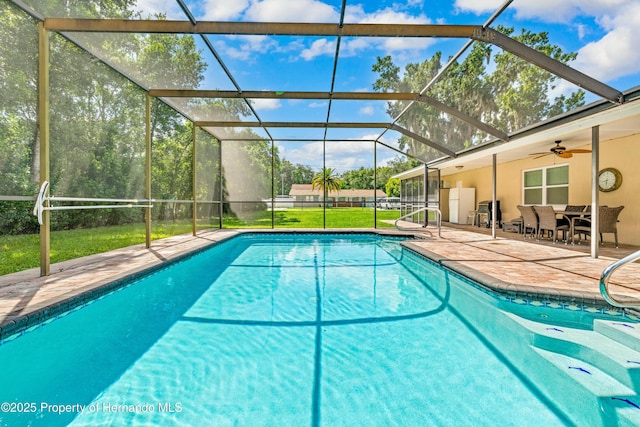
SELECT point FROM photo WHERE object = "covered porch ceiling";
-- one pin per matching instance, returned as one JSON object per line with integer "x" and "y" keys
{"x": 309, "y": 77}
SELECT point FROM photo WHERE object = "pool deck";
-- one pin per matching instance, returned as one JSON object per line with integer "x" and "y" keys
{"x": 507, "y": 264}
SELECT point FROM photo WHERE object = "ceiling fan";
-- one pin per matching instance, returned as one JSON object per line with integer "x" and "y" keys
{"x": 560, "y": 151}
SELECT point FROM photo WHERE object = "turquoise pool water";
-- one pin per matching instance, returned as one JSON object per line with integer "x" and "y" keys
{"x": 286, "y": 330}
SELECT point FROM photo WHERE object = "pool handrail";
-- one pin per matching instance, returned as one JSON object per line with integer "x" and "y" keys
{"x": 430, "y": 209}
{"x": 606, "y": 275}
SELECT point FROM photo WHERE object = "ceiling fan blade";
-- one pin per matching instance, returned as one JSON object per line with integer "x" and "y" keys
{"x": 565, "y": 155}
{"x": 579, "y": 150}
{"x": 539, "y": 155}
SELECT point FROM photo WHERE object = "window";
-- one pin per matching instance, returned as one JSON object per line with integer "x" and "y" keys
{"x": 546, "y": 186}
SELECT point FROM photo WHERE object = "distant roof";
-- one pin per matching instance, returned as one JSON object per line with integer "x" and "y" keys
{"x": 305, "y": 190}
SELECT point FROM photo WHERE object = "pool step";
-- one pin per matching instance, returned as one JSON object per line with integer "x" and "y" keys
{"x": 597, "y": 371}
{"x": 601, "y": 398}
{"x": 616, "y": 357}
{"x": 623, "y": 332}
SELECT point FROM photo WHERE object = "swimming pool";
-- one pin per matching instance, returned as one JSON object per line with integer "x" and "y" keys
{"x": 316, "y": 329}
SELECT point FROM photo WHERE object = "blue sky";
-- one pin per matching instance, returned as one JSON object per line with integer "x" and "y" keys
{"x": 602, "y": 32}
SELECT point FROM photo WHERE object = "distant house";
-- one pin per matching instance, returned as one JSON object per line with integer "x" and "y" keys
{"x": 305, "y": 196}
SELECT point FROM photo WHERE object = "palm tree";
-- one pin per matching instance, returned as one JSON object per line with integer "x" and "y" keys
{"x": 326, "y": 181}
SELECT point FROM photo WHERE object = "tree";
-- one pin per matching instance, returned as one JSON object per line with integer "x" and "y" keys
{"x": 18, "y": 101}
{"x": 289, "y": 174}
{"x": 392, "y": 188}
{"x": 326, "y": 181}
{"x": 521, "y": 90}
{"x": 400, "y": 164}
{"x": 509, "y": 94}
{"x": 420, "y": 118}
{"x": 358, "y": 179}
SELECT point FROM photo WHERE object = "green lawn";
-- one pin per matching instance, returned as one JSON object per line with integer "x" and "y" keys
{"x": 22, "y": 252}
{"x": 312, "y": 218}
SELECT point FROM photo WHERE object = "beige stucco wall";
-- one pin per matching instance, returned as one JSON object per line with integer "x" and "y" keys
{"x": 623, "y": 154}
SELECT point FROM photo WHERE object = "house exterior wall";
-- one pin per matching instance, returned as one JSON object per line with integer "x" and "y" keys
{"x": 622, "y": 153}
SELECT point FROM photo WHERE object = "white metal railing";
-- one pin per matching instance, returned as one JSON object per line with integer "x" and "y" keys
{"x": 606, "y": 274}
{"x": 43, "y": 197}
{"x": 438, "y": 219}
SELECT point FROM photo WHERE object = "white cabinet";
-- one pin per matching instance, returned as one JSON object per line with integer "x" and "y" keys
{"x": 461, "y": 202}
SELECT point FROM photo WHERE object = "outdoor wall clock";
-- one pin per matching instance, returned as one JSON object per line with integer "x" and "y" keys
{"x": 609, "y": 179}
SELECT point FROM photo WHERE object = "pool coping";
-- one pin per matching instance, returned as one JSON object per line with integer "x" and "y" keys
{"x": 171, "y": 250}
{"x": 506, "y": 288}
{"x": 83, "y": 294}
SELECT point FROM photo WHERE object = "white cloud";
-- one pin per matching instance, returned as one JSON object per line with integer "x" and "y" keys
{"x": 341, "y": 155}
{"x": 247, "y": 47}
{"x": 389, "y": 16}
{"x": 318, "y": 104}
{"x": 356, "y": 14}
{"x": 616, "y": 54}
{"x": 319, "y": 47}
{"x": 262, "y": 104}
{"x": 354, "y": 46}
{"x": 406, "y": 43}
{"x": 478, "y": 7}
{"x": 349, "y": 154}
{"x": 314, "y": 11}
{"x": 290, "y": 11}
{"x": 216, "y": 10}
{"x": 367, "y": 111}
{"x": 309, "y": 154}
{"x": 547, "y": 10}
{"x": 233, "y": 52}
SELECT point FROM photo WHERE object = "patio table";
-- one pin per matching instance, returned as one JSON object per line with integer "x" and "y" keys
{"x": 572, "y": 216}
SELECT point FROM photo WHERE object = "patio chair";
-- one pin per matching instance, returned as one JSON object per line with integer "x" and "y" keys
{"x": 547, "y": 221}
{"x": 607, "y": 222}
{"x": 572, "y": 208}
{"x": 583, "y": 222}
{"x": 529, "y": 220}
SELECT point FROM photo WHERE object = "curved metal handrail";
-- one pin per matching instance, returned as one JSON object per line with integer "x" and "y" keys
{"x": 438, "y": 219}
{"x": 43, "y": 197}
{"x": 606, "y": 274}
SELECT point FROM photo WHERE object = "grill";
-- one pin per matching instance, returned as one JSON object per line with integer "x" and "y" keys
{"x": 484, "y": 213}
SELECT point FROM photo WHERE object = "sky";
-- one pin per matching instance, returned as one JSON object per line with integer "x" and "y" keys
{"x": 601, "y": 32}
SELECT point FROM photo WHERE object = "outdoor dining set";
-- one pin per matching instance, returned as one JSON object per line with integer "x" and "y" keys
{"x": 537, "y": 221}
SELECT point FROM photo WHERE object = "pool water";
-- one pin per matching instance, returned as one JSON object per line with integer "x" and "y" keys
{"x": 265, "y": 329}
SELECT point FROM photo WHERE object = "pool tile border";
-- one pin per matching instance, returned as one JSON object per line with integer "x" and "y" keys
{"x": 39, "y": 317}
{"x": 508, "y": 292}
{"x": 485, "y": 282}
{"x": 27, "y": 322}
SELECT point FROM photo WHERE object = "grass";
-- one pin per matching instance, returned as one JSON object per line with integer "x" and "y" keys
{"x": 22, "y": 252}
{"x": 312, "y": 218}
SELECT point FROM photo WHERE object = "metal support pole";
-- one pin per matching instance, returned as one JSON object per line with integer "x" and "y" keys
{"x": 273, "y": 184}
{"x": 221, "y": 196}
{"x": 43, "y": 134}
{"x": 324, "y": 184}
{"x": 425, "y": 194}
{"x": 147, "y": 191}
{"x": 375, "y": 185}
{"x": 194, "y": 163}
{"x": 595, "y": 196}
{"x": 494, "y": 213}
